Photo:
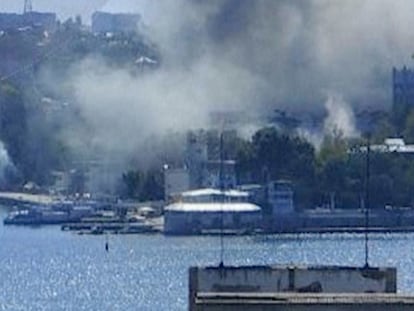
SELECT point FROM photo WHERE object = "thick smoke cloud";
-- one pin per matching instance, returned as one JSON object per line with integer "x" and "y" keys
{"x": 252, "y": 56}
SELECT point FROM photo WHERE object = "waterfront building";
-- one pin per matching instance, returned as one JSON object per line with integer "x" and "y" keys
{"x": 211, "y": 210}
{"x": 390, "y": 145}
{"x": 196, "y": 158}
{"x": 221, "y": 174}
{"x": 176, "y": 180}
{"x": 206, "y": 169}
{"x": 283, "y": 217}
{"x": 280, "y": 197}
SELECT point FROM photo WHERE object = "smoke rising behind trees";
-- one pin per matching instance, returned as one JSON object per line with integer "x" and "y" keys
{"x": 252, "y": 56}
{"x": 257, "y": 55}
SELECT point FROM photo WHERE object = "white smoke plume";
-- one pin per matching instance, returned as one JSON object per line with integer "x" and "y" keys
{"x": 340, "y": 117}
{"x": 248, "y": 56}
{"x": 6, "y": 165}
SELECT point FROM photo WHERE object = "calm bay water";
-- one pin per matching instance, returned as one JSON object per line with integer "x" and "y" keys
{"x": 46, "y": 269}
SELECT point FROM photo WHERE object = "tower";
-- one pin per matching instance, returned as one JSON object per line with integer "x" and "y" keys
{"x": 27, "y": 6}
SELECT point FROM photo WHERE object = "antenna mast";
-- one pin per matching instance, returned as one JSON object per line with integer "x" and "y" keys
{"x": 27, "y": 6}
{"x": 221, "y": 183}
{"x": 366, "y": 203}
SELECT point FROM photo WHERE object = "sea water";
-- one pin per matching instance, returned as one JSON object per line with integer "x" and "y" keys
{"x": 44, "y": 268}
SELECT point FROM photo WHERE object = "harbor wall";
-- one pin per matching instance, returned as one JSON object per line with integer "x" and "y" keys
{"x": 304, "y": 302}
{"x": 352, "y": 220}
{"x": 287, "y": 279}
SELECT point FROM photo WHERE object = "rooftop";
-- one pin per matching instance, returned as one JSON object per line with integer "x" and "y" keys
{"x": 391, "y": 145}
{"x": 217, "y": 192}
{"x": 212, "y": 207}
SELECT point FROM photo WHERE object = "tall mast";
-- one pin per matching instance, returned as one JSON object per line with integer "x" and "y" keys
{"x": 221, "y": 184}
{"x": 366, "y": 203}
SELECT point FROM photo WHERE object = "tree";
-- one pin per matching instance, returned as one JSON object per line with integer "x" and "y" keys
{"x": 133, "y": 182}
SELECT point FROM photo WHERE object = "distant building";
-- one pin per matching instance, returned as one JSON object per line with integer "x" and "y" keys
{"x": 209, "y": 210}
{"x": 204, "y": 164}
{"x": 280, "y": 202}
{"x": 46, "y": 21}
{"x": 225, "y": 179}
{"x": 175, "y": 181}
{"x": 403, "y": 86}
{"x": 103, "y": 22}
{"x": 390, "y": 145}
{"x": 295, "y": 288}
{"x": 280, "y": 197}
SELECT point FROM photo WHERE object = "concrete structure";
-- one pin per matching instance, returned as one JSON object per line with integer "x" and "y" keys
{"x": 303, "y": 302}
{"x": 205, "y": 166}
{"x": 285, "y": 219}
{"x": 46, "y": 21}
{"x": 196, "y": 158}
{"x": 280, "y": 197}
{"x": 103, "y": 22}
{"x": 283, "y": 216}
{"x": 294, "y": 288}
{"x": 228, "y": 174}
{"x": 175, "y": 181}
{"x": 390, "y": 145}
{"x": 211, "y": 210}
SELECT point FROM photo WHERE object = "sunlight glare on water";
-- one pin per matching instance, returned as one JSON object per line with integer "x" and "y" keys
{"x": 47, "y": 269}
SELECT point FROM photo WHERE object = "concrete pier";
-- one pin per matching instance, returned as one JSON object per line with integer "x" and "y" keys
{"x": 295, "y": 288}
{"x": 302, "y": 302}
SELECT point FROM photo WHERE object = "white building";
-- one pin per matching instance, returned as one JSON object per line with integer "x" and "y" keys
{"x": 208, "y": 210}
{"x": 391, "y": 145}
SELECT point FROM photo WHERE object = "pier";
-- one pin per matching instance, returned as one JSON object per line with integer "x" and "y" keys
{"x": 295, "y": 288}
{"x": 303, "y": 302}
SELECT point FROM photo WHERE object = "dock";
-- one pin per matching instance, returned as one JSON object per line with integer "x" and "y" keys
{"x": 295, "y": 288}
{"x": 302, "y": 302}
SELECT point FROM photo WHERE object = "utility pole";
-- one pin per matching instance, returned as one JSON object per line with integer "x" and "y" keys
{"x": 27, "y": 6}
{"x": 366, "y": 202}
